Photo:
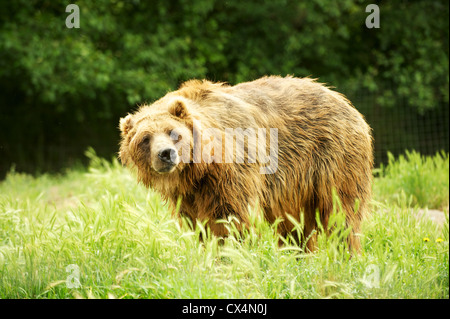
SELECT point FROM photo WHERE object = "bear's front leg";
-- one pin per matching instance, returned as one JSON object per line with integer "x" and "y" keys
{"x": 221, "y": 216}
{"x": 215, "y": 210}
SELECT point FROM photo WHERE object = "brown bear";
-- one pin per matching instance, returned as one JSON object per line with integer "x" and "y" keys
{"x": 283, "y": 143}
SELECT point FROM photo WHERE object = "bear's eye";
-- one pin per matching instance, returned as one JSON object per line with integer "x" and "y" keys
{"x": 145, "y": 141}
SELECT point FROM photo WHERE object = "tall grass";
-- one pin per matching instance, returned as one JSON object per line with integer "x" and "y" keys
{"x": 423, "y": 180}
{"x": 97, "y": 234}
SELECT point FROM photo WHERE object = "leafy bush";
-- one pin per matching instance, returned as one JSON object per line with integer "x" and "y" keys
{"x": 68, "y": 87}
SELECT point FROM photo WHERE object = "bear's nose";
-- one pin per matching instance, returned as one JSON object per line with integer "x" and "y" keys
{"x": 168, "y": 155}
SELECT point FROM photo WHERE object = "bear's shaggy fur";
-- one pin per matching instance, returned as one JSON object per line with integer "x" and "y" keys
{"x": 324, "y": 145}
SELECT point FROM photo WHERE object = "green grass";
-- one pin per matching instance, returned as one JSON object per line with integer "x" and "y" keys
{"x": 118, "y": 238}
{"x": 422, "y": 179}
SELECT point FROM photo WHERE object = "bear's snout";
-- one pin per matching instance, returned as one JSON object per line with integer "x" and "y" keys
{"x": 167, "y": 159}
{"x": 168, "y": 156}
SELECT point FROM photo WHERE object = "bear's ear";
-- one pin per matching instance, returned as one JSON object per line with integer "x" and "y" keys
{"x": 126, "y": 124}
{"x": 179, "y": 109}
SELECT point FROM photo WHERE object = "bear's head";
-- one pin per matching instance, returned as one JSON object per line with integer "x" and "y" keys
{"x": 158, "y": 140}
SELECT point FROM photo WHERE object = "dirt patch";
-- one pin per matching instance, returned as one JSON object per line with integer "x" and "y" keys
{"x": 434, "y": 215}
{"x": 61, "y": 201}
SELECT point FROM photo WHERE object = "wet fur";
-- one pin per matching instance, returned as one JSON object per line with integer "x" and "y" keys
{"x": 324, "y": 143}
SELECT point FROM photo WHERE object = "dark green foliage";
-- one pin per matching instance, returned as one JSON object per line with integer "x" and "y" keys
{"x": 64, "y": 89}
